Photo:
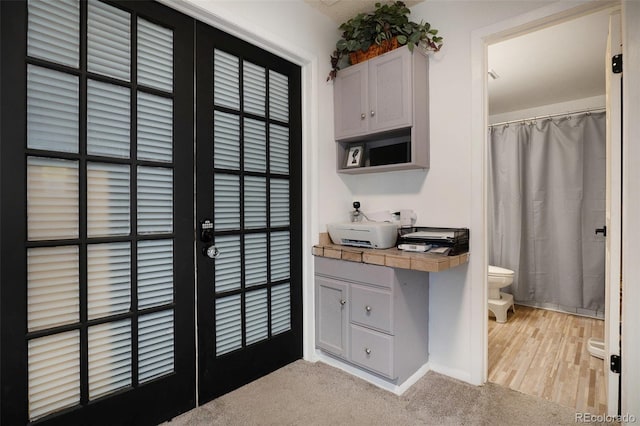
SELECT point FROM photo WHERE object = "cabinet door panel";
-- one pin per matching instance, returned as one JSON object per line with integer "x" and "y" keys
{"x": 331, "y": 316}
{"x": 350, "y": 102}
{"x": 389, "y": 95}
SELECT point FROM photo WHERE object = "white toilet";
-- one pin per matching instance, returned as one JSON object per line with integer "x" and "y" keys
{"x": 499, "y": 302}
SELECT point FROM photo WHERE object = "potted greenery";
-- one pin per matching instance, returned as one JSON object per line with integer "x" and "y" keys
{"x": 369, "y": 34}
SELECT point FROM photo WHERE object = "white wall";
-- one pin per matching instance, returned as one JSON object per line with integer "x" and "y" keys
{"x": 594, "y": 102}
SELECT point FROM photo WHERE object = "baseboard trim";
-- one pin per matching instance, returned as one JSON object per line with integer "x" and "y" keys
{"x": 462, "y": 375}
{"x": 372, "y": 378}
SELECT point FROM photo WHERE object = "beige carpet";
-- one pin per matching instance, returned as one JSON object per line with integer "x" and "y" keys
{"x": 303, "y": 393}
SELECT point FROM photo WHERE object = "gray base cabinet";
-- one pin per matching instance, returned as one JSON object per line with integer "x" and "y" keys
{"x": 373, "y": 317}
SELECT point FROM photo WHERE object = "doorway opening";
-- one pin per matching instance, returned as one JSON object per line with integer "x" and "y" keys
{"x": 541, "y": 346}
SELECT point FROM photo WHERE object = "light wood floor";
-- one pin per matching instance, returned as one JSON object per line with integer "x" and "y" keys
{"x": 544, "y": 353}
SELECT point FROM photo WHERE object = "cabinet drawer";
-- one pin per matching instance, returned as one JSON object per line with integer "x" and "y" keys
{"x": 372, "y": 350}
{"x": 382, "y": 276}
{"x": 372, "y": 307}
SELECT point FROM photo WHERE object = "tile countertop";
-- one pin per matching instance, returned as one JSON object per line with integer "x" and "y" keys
{"x": 392, "y": 257}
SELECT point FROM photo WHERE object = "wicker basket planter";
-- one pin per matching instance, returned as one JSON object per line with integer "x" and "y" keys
{"x": 373, "y": 51}
{"x": 379, "y": 31}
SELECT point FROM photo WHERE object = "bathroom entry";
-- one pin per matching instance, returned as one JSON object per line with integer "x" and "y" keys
{"x": 531, "y": 99}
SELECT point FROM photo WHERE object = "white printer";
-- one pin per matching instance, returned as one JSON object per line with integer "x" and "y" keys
{"x": 378, "y": 235}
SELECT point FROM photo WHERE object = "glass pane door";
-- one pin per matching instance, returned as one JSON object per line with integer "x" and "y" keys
{"x": 248, "y": 202}
{"x": 99, "y": 307}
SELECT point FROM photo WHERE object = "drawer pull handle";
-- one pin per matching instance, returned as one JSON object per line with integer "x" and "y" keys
{"x": 362, "y": 116}
{"x": 343, "y": 302}
{"x": 367, "y": 308}
{"x": 367, "y": 351}
{"x": 373, "y": 113}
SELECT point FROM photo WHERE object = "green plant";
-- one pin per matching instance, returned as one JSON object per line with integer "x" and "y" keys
{"x": 380, "y": 26}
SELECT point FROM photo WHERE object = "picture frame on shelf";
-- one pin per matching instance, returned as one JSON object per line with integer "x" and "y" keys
{"x": 355, "y": 156}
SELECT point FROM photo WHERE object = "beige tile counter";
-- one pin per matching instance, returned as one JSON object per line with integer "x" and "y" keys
{"x": 392, "y": 257}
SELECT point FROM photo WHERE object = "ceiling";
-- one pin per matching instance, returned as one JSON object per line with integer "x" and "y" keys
{"x": 343, "y": 10}
{"x": 557, "y": 64}
{"x": 561, "y": 63}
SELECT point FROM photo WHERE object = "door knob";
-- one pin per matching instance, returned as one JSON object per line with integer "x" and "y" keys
{"x": 362, "y": 116}
{"x": 343, "y": 302}
{"x": 211, "y": 252}
{"x": 367, "y": 308}
{"x": 373, "y": 113}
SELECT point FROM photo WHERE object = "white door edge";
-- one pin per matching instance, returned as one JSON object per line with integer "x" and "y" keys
{"x": 613, "y": 213}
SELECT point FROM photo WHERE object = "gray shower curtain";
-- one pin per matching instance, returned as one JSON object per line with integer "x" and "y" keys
{"x": 546, "y": 198}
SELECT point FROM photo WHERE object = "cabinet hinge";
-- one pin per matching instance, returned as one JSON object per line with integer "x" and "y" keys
{"x": 615, "y": 363}
{"x": 616, "y": 64}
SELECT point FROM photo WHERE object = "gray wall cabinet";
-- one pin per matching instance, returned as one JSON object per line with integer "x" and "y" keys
{"x": 384, "y": 103}
{"x": 373, "y": 317}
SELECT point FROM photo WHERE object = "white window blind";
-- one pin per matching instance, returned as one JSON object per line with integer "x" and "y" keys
{"x": 279, "y": 202}
{"x": 155, "y": 55}
{"x": 278, "y": 96}
{"x": 108, "y": 40}
{"x": 255, "y": 145}
{"x": 54, "y": 270}
{"x": 108, "y": 119}
{"x": 228, "y": 264}
{"x": 52, "y": 110}
{"x": 52, "y": 198}
{"x": 226, "y": 80}
{"x": 108, "y": 206}
{"x": 280, "y": 308}
{"x": 264, "y": 191}
{"x": 256, "y": 312}
{"x": 54, "y": 28}
{"x": 156, "y": 345}
{"x": 226, "y": 141}
{"x": 280, "y": 255}
{"x": 155, "y": 273}
{"x": 255, "y": 88}
{"x": 108, "y": 279}
{"x": 255, "y": 202}
{"x": 278, "y": 149}
{"x": 155, "y": 200}
{"x": 54, "y": 373}
{"x": 226, "y": 202}
{"x": 52, "y": 287}
{"x": 255, "y": 259}
{"x": 155, "y": 127}
{"x": 109, "y": 357}
{"x": 228, "y": 324}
